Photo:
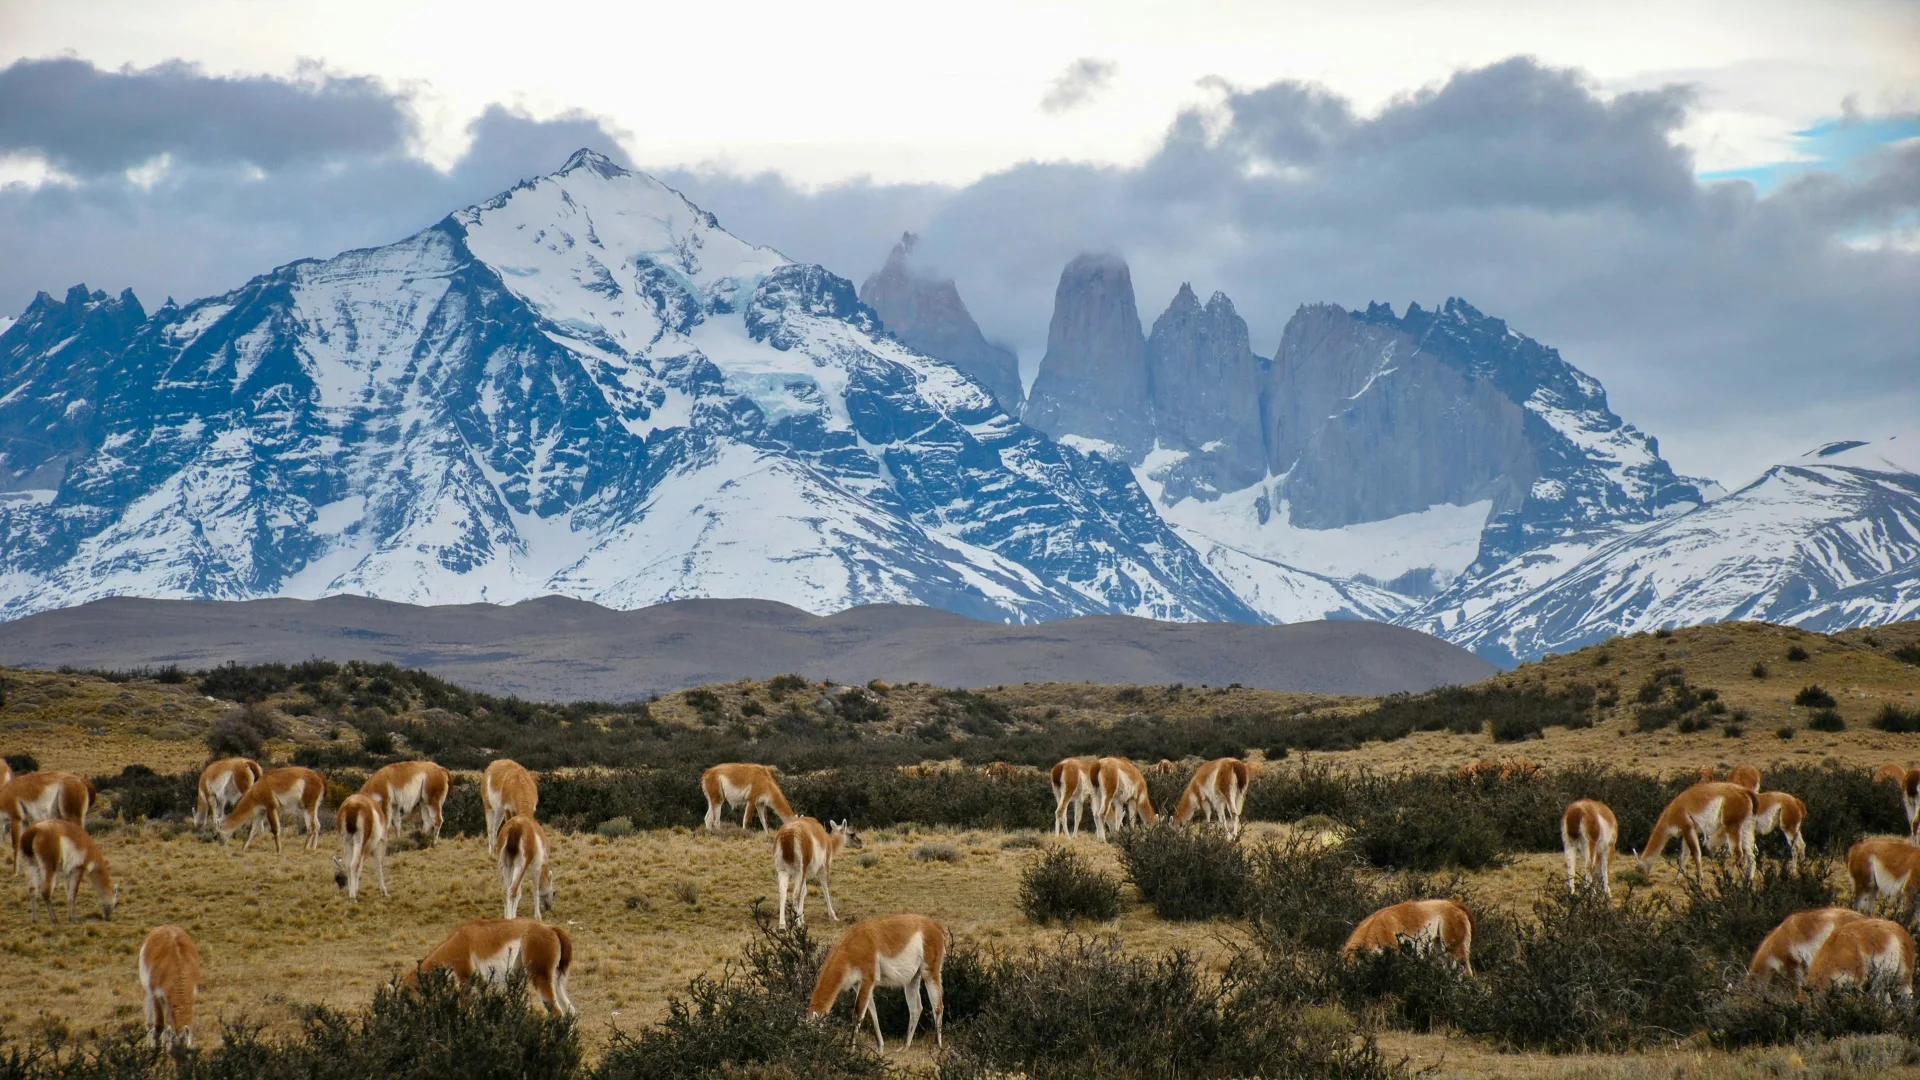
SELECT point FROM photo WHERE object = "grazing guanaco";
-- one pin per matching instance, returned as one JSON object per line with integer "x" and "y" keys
{"x": 403, "y": 787}
{"x": 1883, "y": 869}
{"x": 1701, "y": 816}
{"x": 507, "y": 789}
{"x": 1908, "y": 781}
{"x": 1072, "y": 783}
{"x": 1859, "y": 953}
{"x": 1789, "y": 950}
{"x": 1218, "y": 790}
{"x": 170, "y": 977}
{"x": 1425, "y": 924}
{"x": 1589, "y": 833}
{"x": 221, "y": 785}
{"x": 363, "y": 832}
{"x": 1119, "y": 795}
{"x": 1779, "y": 810}
{"x": 749, "y": 786}
{"x": 289, "y": 791}
{"x": 44, "y": 796}
{"x": 1746, "y": 776}
{"x": 60, "y": 852}
{"x": 492, "y": 948}
{"x": 892, "y": 951}
{"x": 6, "y": 773}
{"x": 521, "y": 848}
{"x": 803, "y": 851}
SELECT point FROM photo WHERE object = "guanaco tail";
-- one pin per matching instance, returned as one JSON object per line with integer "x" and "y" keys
{"x": 1589, "y": 834}
{"x": 363, "y": 832}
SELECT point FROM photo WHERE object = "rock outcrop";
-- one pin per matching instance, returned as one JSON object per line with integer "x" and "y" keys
{"x": 1093, "y": 380}
{"x": 1204, "y": 382}
{"x": 925, "y": 311}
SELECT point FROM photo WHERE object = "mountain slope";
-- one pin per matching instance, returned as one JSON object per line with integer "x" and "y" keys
{"x": 582, "y": 386}
{"x": 1827, "y": 540}
{"x": 927, "y": 313}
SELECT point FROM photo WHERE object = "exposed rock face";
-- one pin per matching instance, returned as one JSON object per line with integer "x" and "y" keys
{"x": 1093, "y": 380}
{"x": 1366, "y": 426}
{"x": 54, "y": 360}
{"x": 927, "y": 314}
{"x": 1205, "y": 385}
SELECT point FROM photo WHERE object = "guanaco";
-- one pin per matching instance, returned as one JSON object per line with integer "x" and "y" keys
{"x": 1883, "y": 869}
{"x": 903, "y": 951}
{"x": 44, "y": 796}
{"x": 1219, "y": 791}
{"x": 221, "y": 785}
{"x": 1779, "y": 810}
{"x": 1789, "y": 950}
{"x": 403, "y": 787}
{"x": 1119, "y": 795}
{"x": 1701, "y": 816}
{"x": 507, "y": 789}
{"x": 170, "y": 977}
{"x": 803, "y": 851}
{"x": 1589, "y": 834}
{"x": 363, "y": 832}
{"x": 60, "y": 852}
{"x": 1425, "y": 924}
{"x": 289, "y": 791}
{"x": 521, "y": 848}
{"x": 1746, "y": 776}
{"x": 1863, "y": 952}
{"x": 492, "y": 948}
{"x": 1908, "y": 781}
{"x": 750, "y": 786}
{"x": 1072, "y": 783}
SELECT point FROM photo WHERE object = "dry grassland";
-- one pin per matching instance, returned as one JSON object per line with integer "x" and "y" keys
{"x": 651, "y": 911}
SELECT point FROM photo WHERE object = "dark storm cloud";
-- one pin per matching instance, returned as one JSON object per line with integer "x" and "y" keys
{"x": 262, "y": 171}
{"x": 1735, "y": 327}
{"x": 1081, "y": 82}
{"x": 87, "y": 121}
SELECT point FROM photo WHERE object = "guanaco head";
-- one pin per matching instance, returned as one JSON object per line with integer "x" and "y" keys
{"x": 339, "y": 873}
{"x": 109, "y": 899}
{"x": 546, "y": 891}
{"x": 849, "y": 840}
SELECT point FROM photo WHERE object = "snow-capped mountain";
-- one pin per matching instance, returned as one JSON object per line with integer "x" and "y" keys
{"x": 1827, "y": 541}
{"x": 584, "y": 386}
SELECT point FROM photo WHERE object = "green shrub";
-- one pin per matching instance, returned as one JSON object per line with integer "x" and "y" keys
{"x": 615, "y": 828}
{"x": 1425, "y": 822}
{"x": 1783, "y": 1016}
{"x": 1059, "y": 886}
{"x": 243, "y": 732}
{"x": 1185, "y": 874}
{"x": 139, "y": 792}
{"x": 1813, "y": 697}
{"x": 937, "y": 852}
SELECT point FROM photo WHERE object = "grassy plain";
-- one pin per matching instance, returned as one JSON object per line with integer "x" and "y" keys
{"x": 650, "y": 911}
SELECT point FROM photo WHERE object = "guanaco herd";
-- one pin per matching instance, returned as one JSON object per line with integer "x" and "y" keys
{"x": 45, "y": 815}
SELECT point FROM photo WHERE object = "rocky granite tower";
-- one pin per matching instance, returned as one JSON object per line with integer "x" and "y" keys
{"x": 1204, "y": 382}
{"x": 925, "y": 311}
{"x": 1093, "y": 380}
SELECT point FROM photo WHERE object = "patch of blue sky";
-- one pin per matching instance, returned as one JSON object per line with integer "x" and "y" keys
{"x": 1830, "y": 145}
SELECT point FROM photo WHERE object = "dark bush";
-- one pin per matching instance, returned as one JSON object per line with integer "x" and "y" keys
{"x": 1059, "y": 886}
{"x": 1085, "y": 1009}
{"x": 1797, "y": 654}
{"x": 1892, "y": 718}
{"x": 1813, "y": 697}
{"x": 139, "y": 792}
{"x": 1759, "y": 669}
{"x": 751, "y": 1021}
{"x": 1426, "y": 821}
{"x": 1783, "y": 1016}
{"x": 1843, "y": 804}
{"x": 1828, "y": 720}
{"x": 1186, "y": 874}
{"x": 1908, "y": 653}
{"x": 23, "y": 763}
{"x": 243, "y": 732}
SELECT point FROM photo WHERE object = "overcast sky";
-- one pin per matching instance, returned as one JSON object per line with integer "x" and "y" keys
{"x": 1713, "y": 207}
